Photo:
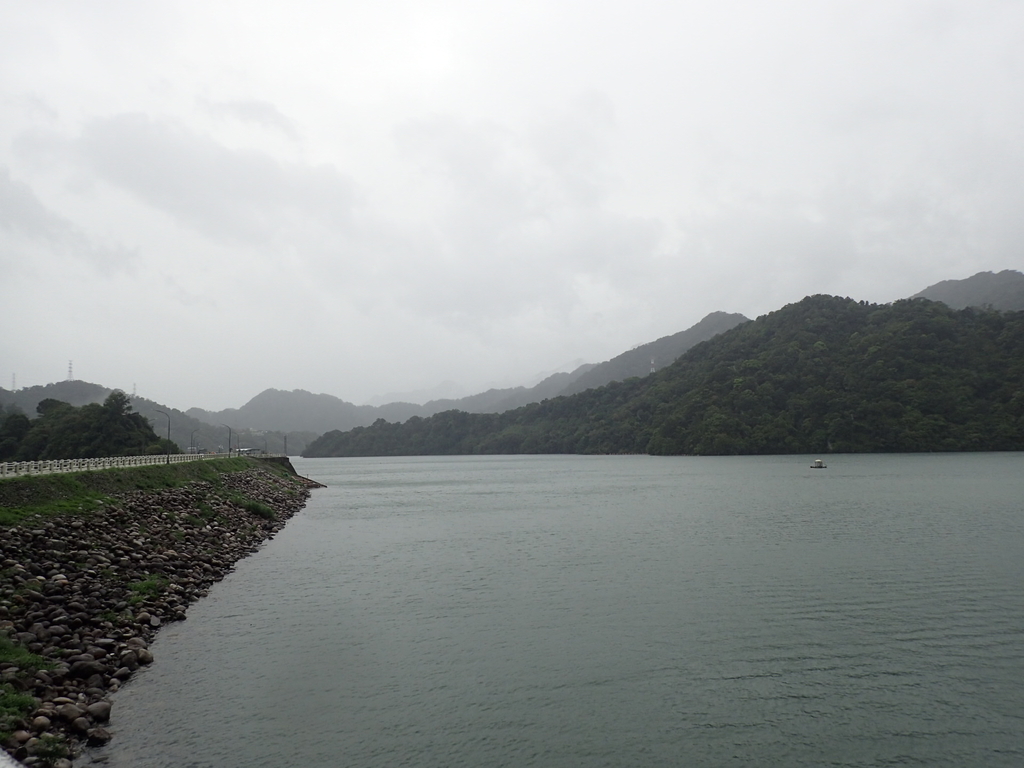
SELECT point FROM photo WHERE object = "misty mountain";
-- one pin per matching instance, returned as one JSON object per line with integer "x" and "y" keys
{"x": 76, "y": 393}
{"x": 276, "y": 409}
{"x": 554, "y": 385}
{"x": 446, "y": 390}
{"x": 998, "y": 290}
{"x": 306, "y": 411}
{"x": 635, "y": 362}
{"x": 498, "y": 400}
{"x": 664, "y": 351}
{"x": 186, "y": 428}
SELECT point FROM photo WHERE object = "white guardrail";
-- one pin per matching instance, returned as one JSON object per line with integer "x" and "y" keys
{"x": 22, "y": 468}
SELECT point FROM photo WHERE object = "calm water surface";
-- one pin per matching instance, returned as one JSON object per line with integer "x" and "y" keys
{"x": 609, "y": 611}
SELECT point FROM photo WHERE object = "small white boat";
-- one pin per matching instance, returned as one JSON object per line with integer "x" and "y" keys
{"x": 818, "y": 464}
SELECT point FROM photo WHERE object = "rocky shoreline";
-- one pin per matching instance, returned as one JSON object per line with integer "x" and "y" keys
{"x": 86, "y": 592}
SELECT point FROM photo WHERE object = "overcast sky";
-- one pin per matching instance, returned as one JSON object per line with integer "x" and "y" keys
{"x": 206, "y": 199}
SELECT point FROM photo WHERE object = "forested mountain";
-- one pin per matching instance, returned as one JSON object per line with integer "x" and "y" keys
{"x": 824, "y": 374}
{"x": 664, "y": 351}
{"x": 63, "y": 431}
{"x": 999, "y": 290}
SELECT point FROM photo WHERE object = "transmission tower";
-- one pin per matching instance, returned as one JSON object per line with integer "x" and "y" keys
{"x": 652, "y": 365}
{"x": 71, "y": 376}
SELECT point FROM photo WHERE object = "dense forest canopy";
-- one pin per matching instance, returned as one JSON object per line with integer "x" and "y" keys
{"x": 824, "y": 374}
{"x": 63, "y": 431}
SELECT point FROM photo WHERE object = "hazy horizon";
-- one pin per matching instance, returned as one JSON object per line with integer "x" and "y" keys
{"x": 203, "y": 201}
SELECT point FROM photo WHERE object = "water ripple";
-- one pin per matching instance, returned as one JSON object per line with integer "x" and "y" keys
{"x": 609, "y": 611}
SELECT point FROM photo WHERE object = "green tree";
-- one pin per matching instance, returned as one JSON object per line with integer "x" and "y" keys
{"x": 64, "y": 432}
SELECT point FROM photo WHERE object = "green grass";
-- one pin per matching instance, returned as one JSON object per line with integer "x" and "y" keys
{"x": 82, "y": 492}
{"x": 150, "y": 587}
{"x": 19, "y": 655}
{"x": 51, "y": 749}
{"x": 258, "y": 508}
{"x": 13, "y": 707}
{"x": 56, "y": 498}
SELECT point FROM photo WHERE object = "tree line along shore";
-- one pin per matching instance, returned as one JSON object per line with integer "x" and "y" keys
{"x": 92, "y": 564}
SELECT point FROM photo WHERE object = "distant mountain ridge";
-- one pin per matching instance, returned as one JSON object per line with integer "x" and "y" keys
{"x": 186, "y": 429}
{"x": 998, "y": 290}
{"x": 657, "y": 354}
{"x": 76, "y": 393}
{"x": 299, "y": 410}
{"x": 275, "y": 409}
{"x": 499, "y": 400}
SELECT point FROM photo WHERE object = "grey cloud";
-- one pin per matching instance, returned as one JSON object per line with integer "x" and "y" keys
{"x": 573, "y": 145}
{"x": 518, "y": 229}
{"x": 763, "y": 250}
{"x": 477, "y": 161}
{"x": 227, "y": 194}
{"x": 867, "y": 239}
{"x": 23, "y": 214}
{"x": 188, "y": 299}
{"x": 41, "y": 148}
{"x": 252, "y": 111}
{"x": 31, "y": 106}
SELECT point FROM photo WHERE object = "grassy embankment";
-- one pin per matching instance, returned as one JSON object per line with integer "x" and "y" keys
{"x": 79, "y": 492}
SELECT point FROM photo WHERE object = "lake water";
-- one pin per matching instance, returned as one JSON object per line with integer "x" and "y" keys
{"x": 609, "y": 611}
